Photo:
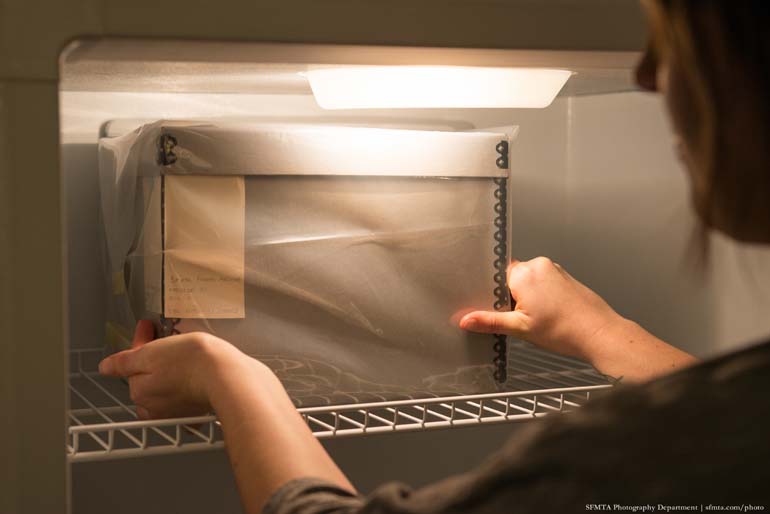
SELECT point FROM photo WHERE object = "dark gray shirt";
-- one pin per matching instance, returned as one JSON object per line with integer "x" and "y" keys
{"x": 696, "y": 437}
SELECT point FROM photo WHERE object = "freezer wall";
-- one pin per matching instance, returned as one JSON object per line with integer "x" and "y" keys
{"x": 630, "y": 231}
{"x": 628, "y": 224}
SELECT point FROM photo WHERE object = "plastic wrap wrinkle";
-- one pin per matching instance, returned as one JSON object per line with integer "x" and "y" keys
{"x": 314, "y": 382}
{"x": 279, "y": 285}
{"x": 350, "y": 315}
{"x": 384, "y": 238}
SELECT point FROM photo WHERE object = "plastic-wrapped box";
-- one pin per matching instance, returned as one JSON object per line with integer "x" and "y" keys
{"x": 341, "y": 257}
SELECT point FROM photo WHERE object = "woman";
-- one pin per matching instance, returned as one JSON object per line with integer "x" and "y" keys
{"x": 698, "y": 435}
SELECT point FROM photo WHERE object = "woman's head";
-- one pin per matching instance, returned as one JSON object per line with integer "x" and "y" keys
{"x": 711, "y": 61}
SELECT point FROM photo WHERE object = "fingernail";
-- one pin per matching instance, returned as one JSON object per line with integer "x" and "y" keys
{"x": 469, "y": 323}
{"x": 103, "y": 366}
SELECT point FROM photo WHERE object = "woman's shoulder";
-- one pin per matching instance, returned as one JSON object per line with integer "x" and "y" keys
{"x": 733, "y": 368}
{"x": 705, "y": 426}
{"x": 696, "y": 436}
{"x": 721, "y": 396}
{"x": 722, "y": 383}
{"x": 687, "y": 401}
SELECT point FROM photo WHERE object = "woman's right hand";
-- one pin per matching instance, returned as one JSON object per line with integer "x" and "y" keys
{"x": 553, "y": 310}
{"x": 557, "y": 313}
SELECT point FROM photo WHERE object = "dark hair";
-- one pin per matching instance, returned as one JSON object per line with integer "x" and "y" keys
{"x": 725, "y": 50}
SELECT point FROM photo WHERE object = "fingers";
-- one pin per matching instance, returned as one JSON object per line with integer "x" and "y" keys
{"x": 129, "y": 362}
{"x": 123, "y": 364}
{"x": 517, "y": 270}
{"x": 511, "y": 323}
{"x": 562, "y": 270}
{"x": 142, "y": 412}
{"x": 143, "y": 334}
{"x": 525, "y": 276}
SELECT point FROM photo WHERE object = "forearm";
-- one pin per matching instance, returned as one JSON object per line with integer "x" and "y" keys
{"x": 268, "y": 442}
{"x": 624, "y": 349}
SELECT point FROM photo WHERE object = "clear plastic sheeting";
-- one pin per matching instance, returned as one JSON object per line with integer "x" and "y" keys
{"x": 349, "y": 285}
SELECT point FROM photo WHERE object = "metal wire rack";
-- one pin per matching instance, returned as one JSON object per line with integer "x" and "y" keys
{"x": 103, "y": 424}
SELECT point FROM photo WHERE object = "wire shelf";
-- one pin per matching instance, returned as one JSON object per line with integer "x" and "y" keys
{"x": 104, "y": 425}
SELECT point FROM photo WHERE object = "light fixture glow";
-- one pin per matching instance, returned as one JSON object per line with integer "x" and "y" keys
{"x": 400, "y": 87}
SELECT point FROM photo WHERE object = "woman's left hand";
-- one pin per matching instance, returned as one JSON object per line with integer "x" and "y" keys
{"x": 193, "y": 374}
{"x": 174, "y": 376}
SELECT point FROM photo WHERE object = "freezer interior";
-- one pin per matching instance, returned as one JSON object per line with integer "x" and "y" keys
{"x": 592, "y": 183}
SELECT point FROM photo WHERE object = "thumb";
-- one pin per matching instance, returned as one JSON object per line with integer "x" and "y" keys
{"x": 143, "y": 334}
{"x": 512, "y": 323}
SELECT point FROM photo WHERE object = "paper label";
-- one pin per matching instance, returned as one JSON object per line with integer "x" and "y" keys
{"x": 204, "y": 226}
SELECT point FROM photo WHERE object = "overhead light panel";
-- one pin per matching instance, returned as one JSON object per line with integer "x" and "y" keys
{"x": 421, "y": 87}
